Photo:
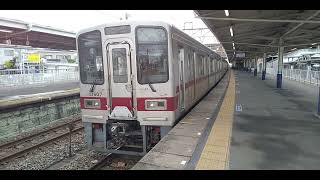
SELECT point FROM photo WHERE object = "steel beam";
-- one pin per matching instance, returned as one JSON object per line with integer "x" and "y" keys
{"x": 231, "y": 50}
{"x": 309, "y": 31}
{"x": 301, "y": 23}
{"x": 260, "y": 20}
{"x": 306, "y": 44}
{"x": 297, "y": 37}
{"x": 249, "y": 44}
{"x": 197, "y": 29}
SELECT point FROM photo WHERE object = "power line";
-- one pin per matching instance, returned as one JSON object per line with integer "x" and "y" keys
{"x": 111, "y": 16}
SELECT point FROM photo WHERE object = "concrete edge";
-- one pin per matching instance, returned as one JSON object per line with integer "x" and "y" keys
{"x": 7, "y": 105}
{"x": 203, "y": 138}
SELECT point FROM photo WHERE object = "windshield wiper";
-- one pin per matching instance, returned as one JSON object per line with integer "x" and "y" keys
{"x": 93, "y": 86}
{"x": 151, "y": 87}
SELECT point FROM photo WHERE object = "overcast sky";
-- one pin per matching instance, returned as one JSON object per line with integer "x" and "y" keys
{"x": 75, "y": 20}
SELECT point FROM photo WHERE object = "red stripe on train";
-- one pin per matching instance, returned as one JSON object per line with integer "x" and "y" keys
{"x": 122, "y": 101}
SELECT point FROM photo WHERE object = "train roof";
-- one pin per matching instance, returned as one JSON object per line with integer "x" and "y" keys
{"x": 142, "y": 22}
{"x": 123, "y": 23}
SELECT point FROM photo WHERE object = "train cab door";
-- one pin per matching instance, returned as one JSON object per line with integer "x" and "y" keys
{"x": 181, "y": 79}
{"x": 120, "y": 82}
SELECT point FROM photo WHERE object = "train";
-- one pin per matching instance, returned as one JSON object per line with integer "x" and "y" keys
{"x": 137, "y": 79}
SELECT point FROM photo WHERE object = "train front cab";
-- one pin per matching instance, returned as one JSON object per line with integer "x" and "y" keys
{"x": 126, "y": 95}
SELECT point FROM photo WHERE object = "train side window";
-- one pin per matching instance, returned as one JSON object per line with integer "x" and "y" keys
{"x": 199, "y": 64}
{"x": 207, "y": 65}
{"x": 119, "y": 64}
{"x": 212, "y": 65}
{"x": 202, "y": 65}
{"x": 190, "y": 66}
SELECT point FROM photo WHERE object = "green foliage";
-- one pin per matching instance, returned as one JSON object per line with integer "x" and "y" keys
{"x": 9, "y": 64}
{"x": 71, "y": 61}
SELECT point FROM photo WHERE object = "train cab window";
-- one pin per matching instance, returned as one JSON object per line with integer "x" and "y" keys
{"x": 152, "y": 55}
{"x": 90, "y": 58}
{"x": 119, "y": 64}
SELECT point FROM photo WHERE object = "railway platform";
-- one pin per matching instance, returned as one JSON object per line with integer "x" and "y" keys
{"x": 277, "y": 128}
{"x": 19, "y": 115}
{"x": 251, "y": 125}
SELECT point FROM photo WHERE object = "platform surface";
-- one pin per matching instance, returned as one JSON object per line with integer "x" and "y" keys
{"x": 256, "y": 126}
{"x": 276, "y": 128}
{"x": 18, "y": 92}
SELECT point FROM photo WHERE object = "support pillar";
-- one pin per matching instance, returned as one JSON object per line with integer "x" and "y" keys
{"x": 255, "y": 63}
{"x": 319, "y": 103}
{"x": 244, "y": 65}
{"x": 264, "y": 66}
{"x": 247, "y": 65}
{"x": 280, "y": 66}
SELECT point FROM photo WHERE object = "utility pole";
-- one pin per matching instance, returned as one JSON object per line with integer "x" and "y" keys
{"x": 70, "y": 127}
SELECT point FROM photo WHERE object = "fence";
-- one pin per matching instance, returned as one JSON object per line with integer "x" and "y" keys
{"x": 15, "y": 78}
{"x": 304, "y": 76}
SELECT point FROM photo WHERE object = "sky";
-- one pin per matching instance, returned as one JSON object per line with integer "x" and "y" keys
{"x": 75, "y": 20}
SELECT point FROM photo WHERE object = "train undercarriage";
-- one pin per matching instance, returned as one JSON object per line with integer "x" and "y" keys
{"x": 123, "y": 136}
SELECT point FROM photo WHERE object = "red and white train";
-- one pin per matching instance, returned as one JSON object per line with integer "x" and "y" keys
{"x": 137, "y": 80}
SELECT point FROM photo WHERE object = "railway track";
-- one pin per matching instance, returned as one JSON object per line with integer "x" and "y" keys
{"x": 101, "y": 163}
{"x": 13, "y": 149}
{"x": 116, "y": 162}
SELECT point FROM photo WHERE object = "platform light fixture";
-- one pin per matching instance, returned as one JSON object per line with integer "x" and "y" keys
{"x": 231, "y": 31}
{"x": 6, "y": 31}
{"x": 313, "y": 44}
{"x": 293, "y": 49}
{"x": 226, "y": 12}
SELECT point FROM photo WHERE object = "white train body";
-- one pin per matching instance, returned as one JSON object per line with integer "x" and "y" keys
{"x": 144, "y": 74}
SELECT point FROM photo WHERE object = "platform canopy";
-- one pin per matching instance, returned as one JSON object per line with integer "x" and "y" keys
{"x": 249, "y": 33}
{"x": 15, "y": 32}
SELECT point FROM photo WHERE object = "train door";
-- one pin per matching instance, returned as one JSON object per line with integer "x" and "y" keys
{"x": 215, "y": 71}
{"x": 181, "y": 79}
{"x": 120, "y": 81}
{"x": 194, "y": 74}
{"x": 208, "y": 71}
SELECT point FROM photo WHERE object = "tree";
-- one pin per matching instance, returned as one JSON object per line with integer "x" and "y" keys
{"x": 71, "y": 60}
{"x": 9, "y": 64}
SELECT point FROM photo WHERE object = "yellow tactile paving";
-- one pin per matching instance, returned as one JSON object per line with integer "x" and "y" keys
{"x": 215, "y": 155}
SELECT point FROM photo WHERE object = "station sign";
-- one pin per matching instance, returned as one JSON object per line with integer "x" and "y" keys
{"x": 240, "y": 55}
{"x": 33, "y": 57}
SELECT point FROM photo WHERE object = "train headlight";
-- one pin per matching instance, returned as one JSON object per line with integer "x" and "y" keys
{"x": 92, "y": 103}
{"x": 156, "y": 104}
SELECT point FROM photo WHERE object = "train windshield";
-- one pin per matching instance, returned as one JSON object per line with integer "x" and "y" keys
{"x": 152, "y": 55}
{"x": 90, "y": 58}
